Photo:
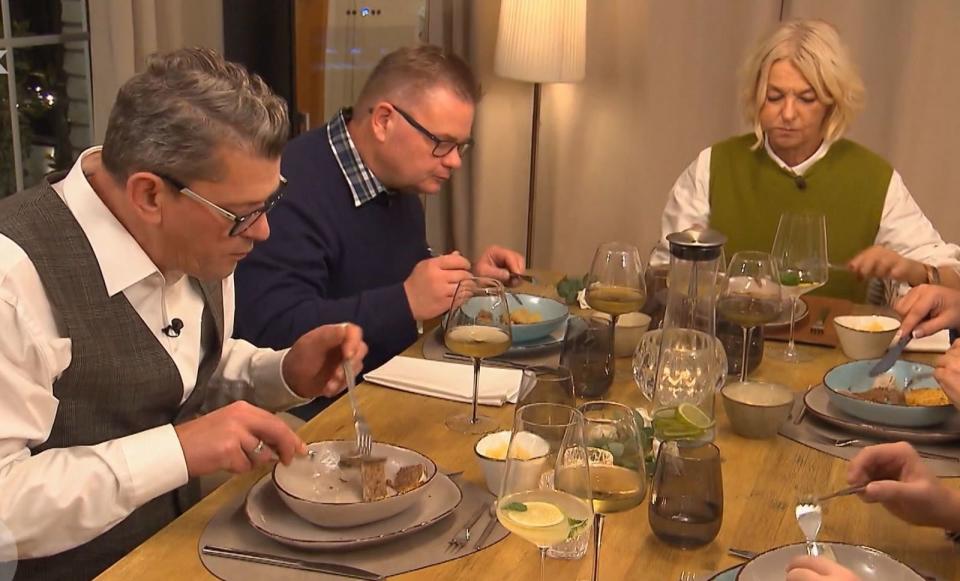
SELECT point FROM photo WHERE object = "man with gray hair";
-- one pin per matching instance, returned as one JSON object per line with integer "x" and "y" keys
{"x": 116, "y": 300}
{"x": 351, "y": 242}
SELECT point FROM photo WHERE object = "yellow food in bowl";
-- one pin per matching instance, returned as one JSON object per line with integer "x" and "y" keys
{"x": 499, "y": 452}
{"x": 524, "y": 316}
{"x": 926, "y": 396}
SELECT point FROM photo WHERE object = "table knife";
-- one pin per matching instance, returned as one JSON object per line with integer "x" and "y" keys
{"x": 290, "y": 563}
{"x": 891, "y": 357}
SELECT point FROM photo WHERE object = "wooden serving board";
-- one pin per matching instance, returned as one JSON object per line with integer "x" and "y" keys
{"x": 801, "y": 332}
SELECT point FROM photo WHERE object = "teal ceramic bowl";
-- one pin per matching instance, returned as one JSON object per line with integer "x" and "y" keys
{"x": 552, "y": 315}
{"x": 855, "y": 377}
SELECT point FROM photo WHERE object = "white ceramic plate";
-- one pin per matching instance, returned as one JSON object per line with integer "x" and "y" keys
{"x": 267, "y": 513}
{"x": 784, "y": 318}
{"x": 554, "y": 339}
{"x": 868, "y": 564}
{"x": 818, "y": 403}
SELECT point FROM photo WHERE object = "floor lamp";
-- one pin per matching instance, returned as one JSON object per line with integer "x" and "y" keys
{"x": 540, "y": 41}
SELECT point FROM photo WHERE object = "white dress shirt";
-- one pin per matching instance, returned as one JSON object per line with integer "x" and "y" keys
{"x": 903, "y": 226}
{"x": 64, "y": 497}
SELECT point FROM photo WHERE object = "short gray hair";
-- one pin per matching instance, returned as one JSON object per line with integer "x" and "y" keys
{"x": 413, "y": 70}
{"x": 815, "y": 48}
{"x": 172, "y": 117}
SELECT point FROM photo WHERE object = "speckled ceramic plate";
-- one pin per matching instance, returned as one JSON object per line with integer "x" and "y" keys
{"x": 868, "y": 564}
{"x": 267, "y": 513}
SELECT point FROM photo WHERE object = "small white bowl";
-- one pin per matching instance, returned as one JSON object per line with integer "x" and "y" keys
{"x": 491, "y": 452}
{"x": 757, "y": 409}
{"x": 334, "y": 499}
{"x": 865, "y": 336}
{"x": 630, "y": 328}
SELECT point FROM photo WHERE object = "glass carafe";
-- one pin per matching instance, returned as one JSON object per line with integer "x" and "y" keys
{"x": 691, "y": 364}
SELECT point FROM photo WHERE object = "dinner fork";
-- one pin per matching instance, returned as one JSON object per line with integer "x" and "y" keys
{"x": 686, "y": 576}
{"x": 817, "y": 327}
{"x": 461, "y": 539}
{"x": 846, "y": 442}
{"x": 360, "y": 425}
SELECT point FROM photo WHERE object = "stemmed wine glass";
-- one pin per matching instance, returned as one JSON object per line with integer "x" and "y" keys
{"x": 615, "y": 284}
{"x": 617, "y": 473}
{"x": 751, "y": 296}
{"x": 478, "y": 327}
{"x": 546, "y": 445}
{"x": 800, "y": 252}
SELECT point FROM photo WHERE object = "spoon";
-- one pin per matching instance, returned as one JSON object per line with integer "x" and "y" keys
{"x": 810, "y": 516}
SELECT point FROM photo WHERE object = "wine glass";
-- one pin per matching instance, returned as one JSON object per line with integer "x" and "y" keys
{"x": 617, "y": 473}
{"x": 751, "y": 296}
{"x": 800, "y": 252}
{"x": 616, "y": 284}
{"x": 478, "y": 327}
{"x": 546, "y": 444}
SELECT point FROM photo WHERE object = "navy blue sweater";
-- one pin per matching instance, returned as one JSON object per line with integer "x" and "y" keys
{"x": 327, "y": 261}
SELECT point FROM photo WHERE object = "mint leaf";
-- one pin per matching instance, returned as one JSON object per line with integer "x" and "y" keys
{"x": 576, "y": 525}
{"x": 790, "y": 279}
{"x": 515, "y": 506}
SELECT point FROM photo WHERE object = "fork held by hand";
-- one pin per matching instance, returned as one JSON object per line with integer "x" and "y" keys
{"x": 360, "y": 425}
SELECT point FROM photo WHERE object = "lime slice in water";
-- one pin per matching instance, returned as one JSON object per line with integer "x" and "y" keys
{"x": 537, "y": 515}
{"x": 694, "y": 416}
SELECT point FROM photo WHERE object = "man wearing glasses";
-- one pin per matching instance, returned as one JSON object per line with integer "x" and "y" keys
{"x": 349, "y": 240}
{"x": 116, "y": 305}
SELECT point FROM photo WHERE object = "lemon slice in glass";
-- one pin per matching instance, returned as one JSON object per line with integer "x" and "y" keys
{"x": 694, "y": 416}
{"x": 537, "y": 515}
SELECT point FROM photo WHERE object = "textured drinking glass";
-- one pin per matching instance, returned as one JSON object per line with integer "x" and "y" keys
{"x": 588, "y": 354}
{"x": 686, "y": 503}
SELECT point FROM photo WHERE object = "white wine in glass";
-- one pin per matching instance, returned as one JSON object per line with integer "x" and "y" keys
{"x": 800, "y": 253}
{"x": 478, "y": 327}
{"x": 614, "y": 299}
{"x": 563, "y": 512}
{"x": 618, "y": 478}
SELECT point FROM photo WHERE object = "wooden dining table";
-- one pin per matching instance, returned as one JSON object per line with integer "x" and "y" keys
{"x": 762, "y": 480}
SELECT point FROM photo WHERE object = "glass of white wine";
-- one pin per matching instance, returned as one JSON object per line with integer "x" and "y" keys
{"x": 800, "y": 252}
{"x": 751, "y": 296}
{"x": 478, "y": 327}
{"x": 615, "y": 284}
{"x": 563, "y": 512}
{"x": 618, "y": 477}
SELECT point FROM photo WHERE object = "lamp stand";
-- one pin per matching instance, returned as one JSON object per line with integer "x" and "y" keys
{"x": 531, "y": 195}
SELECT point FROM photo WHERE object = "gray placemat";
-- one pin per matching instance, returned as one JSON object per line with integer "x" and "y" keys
{"x": 433, "y": 348}
{"x": 808, "y": 430}
{"x": 229, "y": 528}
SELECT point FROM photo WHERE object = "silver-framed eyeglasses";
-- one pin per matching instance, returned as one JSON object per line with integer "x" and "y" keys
{"x": 441, "y": 147}
{"x": 241, "y": 223}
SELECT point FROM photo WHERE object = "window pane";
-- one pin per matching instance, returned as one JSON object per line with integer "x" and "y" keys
{"x": 8, "y": 180}
{"x": 53, "y": 98}
{"x": 35, "y": 17}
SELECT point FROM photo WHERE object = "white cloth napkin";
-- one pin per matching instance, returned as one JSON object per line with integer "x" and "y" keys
{"x": 453, "y": 381}
{"x": 937, "y": 343}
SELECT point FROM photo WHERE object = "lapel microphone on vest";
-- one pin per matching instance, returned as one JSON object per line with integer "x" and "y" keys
{"x": 801, "y": 183}
{"x": 173, "y": 329}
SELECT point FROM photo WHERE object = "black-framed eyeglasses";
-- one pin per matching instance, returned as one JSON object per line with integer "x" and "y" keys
{"x": 240, "y": 223}
{"x": 441, "y": 147}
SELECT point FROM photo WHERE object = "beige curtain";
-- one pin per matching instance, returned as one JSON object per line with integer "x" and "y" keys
{"x": 661, "y": 85}
{"x": 124, "y": 32}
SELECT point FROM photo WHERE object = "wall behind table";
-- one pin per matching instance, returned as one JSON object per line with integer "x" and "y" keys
{"x": 661, "y": 85}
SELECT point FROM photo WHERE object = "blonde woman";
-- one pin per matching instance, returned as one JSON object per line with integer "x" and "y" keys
{"x": 800, "y": 93}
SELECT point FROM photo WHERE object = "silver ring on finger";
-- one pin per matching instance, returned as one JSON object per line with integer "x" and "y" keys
{"x": 259, "y": 448}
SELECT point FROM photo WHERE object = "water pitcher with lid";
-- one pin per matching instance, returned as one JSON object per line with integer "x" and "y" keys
{"x": 691, "y": 363}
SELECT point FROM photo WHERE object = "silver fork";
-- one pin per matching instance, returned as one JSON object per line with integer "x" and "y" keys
{"x": 817, "y": 327}
{"x": 461, "y": 539}
{"x": 360, "y": 425}
{"x": 686, "y": 576}
{"x": 845, "y": 442}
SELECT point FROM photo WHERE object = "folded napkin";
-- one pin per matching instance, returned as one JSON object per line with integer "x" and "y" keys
{"x": 937, "y": 343}
{"x": 453, "y": 381}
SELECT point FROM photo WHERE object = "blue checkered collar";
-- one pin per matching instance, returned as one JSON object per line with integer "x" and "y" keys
{"x": 363, "y": 184}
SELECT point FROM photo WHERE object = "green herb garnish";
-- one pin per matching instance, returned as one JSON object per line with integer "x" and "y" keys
{"x": 790, "y": 279}
{"x": 576, "y": 525}
{"x": 515, "y": 506}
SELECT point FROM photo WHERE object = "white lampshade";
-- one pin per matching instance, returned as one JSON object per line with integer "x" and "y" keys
{"x": 542, "y": 41}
